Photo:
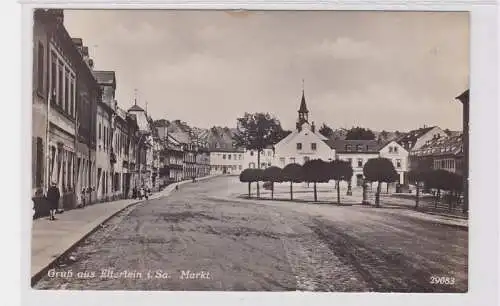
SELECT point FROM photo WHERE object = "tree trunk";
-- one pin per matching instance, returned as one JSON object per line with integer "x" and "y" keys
{"x": 291, "y": 191}
{"x": 338, "y": 192}
{"x": 377, "y": 195}
{"x": 272, "y": 190}
{"x": 417, "y": 199}
{"x": 258, "y": 167}
{"x": 365, "y": 197}
{"x": 249, "y": 196}
{"x": 436, "y": 199}
{"x": 387, "y": 184}
{"x": 349, "y": 189}
{"x": 315, "y": 194}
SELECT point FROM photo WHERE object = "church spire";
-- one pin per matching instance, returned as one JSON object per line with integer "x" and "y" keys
{"x": 303, "y": 112}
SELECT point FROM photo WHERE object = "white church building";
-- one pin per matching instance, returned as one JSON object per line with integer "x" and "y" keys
{"x": 304, "y": 143}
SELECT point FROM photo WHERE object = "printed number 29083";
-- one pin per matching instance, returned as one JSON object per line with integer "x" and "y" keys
{"x": 442, "y": 280}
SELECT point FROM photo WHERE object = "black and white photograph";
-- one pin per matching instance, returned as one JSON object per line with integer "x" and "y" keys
{"x": 249, "y": 151}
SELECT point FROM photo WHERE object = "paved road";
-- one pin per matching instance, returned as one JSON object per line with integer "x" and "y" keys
{"x": 203, "y": 237}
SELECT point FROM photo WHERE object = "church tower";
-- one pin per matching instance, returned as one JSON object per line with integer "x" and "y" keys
{"x": 303, "y": 112}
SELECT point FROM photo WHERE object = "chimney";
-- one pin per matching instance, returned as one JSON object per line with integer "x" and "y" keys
{"x": 313, "y": 127}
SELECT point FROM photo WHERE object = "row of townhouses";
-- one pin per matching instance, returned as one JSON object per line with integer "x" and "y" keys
{"x": 84, "y": 141}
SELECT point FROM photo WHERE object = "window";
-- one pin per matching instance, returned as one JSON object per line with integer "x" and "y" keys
{"x": 398, "y": 163}
{"x": 390, "y": 149}
{"x": 235, "y": 156}
{"x": 292, "y": 160}
{"x": 60, "y": 85}
{"x": 306, "y": 159}
{"x": 360, "y": 162}
{"x": 229, "y": 156}
{"x": 359, "y": 148}
{"x": 251, "y": 153}
{"x": 395, "y": 149}
{"x": 299, "y": 146}
{"x": 443, "y": 165}
{"x": 67, "y": 105}
{"x": 223, "y": 156}
{"x": 40, "y": 70}
{"x": 239, "y": 156}
{"x": 313, "y": 146}
{"x": 350, "y": 161}
{"x": 241, "y": 167}
{"x": 53, "y": 78}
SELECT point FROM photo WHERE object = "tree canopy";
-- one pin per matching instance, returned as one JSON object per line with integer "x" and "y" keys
{"x": 380, "y": 170}
{"x": 257, "y": 131}
{"x": 340, "y": 170}
{"x": 316, "y": 170}
{"x": 272, "y": 174}
{"x": 359, "y": 133}
{"x": 292, "y": 173}
{"x": 326, "y": 131}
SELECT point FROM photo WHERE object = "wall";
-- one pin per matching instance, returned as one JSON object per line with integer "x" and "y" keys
{"x": 393, "y": 154}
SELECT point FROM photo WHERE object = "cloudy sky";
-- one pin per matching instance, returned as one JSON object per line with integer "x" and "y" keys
{"x": 382, "y": 70}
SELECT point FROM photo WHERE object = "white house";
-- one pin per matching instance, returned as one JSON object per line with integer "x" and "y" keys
{"x": 358, "y": 152}
{"x": 266, "y": 158}
{"x": 304, "y": 143}
{"x": 226, "y": 161}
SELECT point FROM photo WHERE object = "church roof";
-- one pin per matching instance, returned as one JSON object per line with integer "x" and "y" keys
{"x": 303, "y": 106}
{"x": 136, "y": 108}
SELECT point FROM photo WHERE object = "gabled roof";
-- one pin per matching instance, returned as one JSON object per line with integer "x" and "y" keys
{"x": 452, "y": 145}
{"x": 413, "y": 136}
{"x": 355, "y": 146}
{"x": 136, "y": 108}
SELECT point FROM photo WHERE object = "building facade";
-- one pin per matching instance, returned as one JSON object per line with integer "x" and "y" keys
{"x": 56, "y": 65}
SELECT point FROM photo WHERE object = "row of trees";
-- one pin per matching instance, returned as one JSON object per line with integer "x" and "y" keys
{"x": 440, "y": 180}
{"x": 318, "y": 171}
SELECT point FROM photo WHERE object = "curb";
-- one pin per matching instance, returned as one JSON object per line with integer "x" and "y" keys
{"x": 38, "y": 275}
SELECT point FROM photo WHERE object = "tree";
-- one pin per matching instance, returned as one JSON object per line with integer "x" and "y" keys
{"x": 440, "y": 180}
{"x": 272, "y": 174}
{"x": 359, "y": 133}
{"x": 379, "y": 170}
{"x": 383, "y": 136}
{"x": 292, "y": 173}
{"x": 256, "y": 132}
{"x": 340, "y": 171}
{"x": 316, "y": 171}
{"x": 258, "y": 177}
{"x": 247, "y": 176}
{"x": 326, "y": 131}
{"x": 417, "y": 177}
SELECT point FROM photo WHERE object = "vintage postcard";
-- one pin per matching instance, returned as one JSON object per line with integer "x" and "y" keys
{"x": 212, "y": 150}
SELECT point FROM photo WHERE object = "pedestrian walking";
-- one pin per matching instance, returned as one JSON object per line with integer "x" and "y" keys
{"x": 53, "y": 197}
{"x": 176, "y": 186}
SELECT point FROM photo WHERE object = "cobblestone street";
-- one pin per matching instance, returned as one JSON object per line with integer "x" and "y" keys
{"x": 206, "y": 237}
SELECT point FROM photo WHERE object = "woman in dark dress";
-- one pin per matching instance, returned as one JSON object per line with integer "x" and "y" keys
{"x": 53, "y": 197}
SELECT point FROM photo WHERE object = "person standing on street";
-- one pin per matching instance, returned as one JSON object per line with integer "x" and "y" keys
{"x": 53, "y": 197}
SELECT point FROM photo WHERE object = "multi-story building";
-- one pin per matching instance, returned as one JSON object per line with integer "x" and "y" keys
{"x": 88, "y": 95}
{"x": 105, "y": 121}
{"x": 171, "y": 154}
{"x": 267, "y": 158}
{"x": 144, "y": 145}
{"x": 56, "y": 62}
{"x": 446, "y": 153}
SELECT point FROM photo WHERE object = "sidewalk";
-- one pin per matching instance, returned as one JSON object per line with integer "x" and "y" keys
{"x": 51, "y": 239}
